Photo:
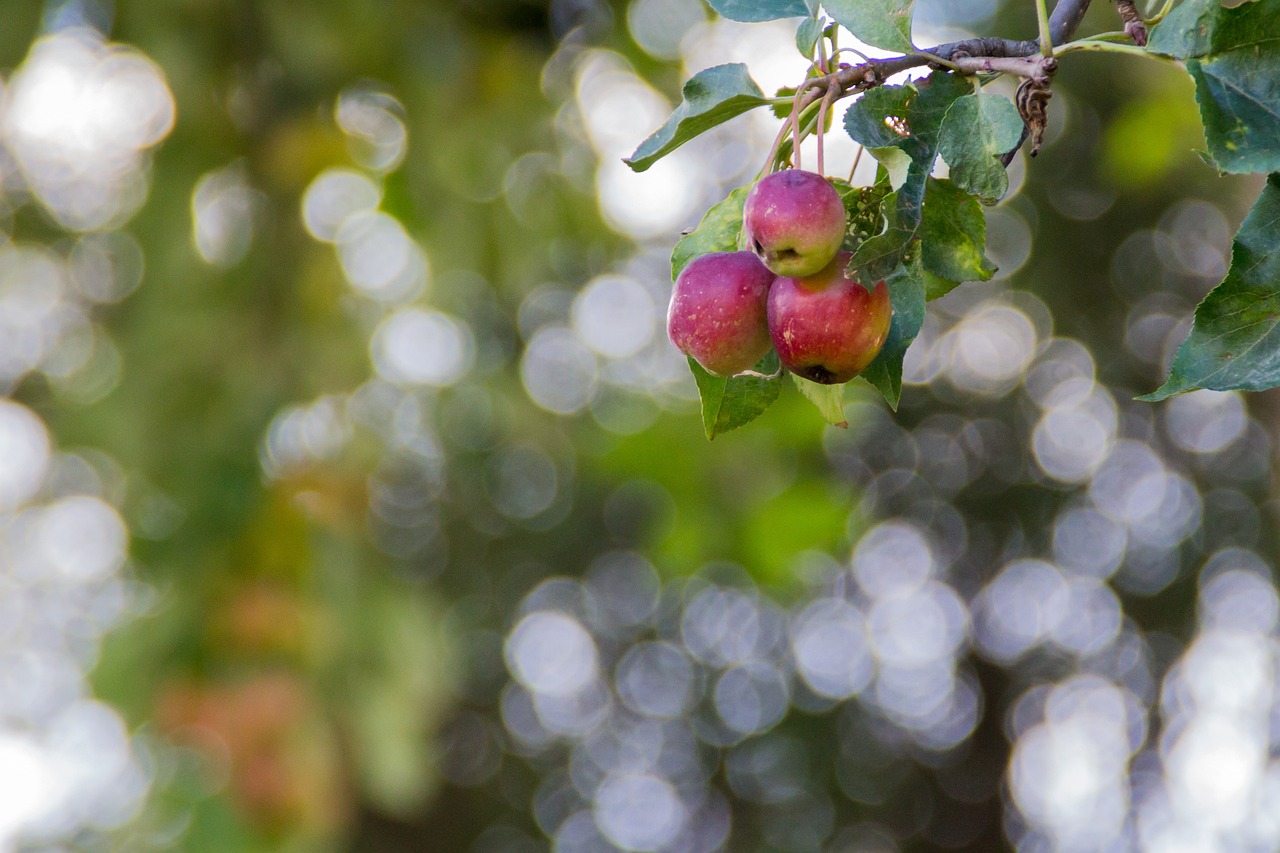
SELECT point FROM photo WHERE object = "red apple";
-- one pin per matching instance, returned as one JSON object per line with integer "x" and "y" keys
{"x": 827, "y": 327}
{"x": 794, "y": 221}
{"x": 717, "y": 312}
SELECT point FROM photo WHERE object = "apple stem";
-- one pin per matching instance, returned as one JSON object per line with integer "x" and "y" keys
{"x": 795, "y": 133}
{"x": 827, "y": 100}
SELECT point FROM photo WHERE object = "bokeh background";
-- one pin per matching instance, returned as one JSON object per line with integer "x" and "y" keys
{"x": 352, "y": 498}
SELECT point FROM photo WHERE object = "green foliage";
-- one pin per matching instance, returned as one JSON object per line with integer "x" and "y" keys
{"x": 807, "y": 35}
{"x": 1234, "y": 340}
{"x": 709, "y": 98}
{"x": 1234, "y": 56}
{"x": 734, "y": 401}
{"x": 829, "y": 399}
{"x": 907, "y": 294}
{"x": 719, "y": 231}
{"x": 882, "y": 23}
{"x": 909, "y": 118}
{"x": 953, "y": 233}
{"x": 753, "y": 11}
{"x": 977, "y": 130}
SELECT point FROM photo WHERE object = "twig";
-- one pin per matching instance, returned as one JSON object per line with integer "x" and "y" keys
{"x": 1042, "y": 19}
{"x": 1133, "y": 25}
{"x": 851, "y": 79}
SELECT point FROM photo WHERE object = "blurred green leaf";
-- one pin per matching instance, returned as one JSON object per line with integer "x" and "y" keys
{"x": 709, "y": 98}
{"x": 1234, "y": 341}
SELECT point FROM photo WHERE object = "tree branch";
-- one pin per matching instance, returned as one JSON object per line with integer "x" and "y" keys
{"x": 1066, "y": 18}
{"x": 970, "y": 56}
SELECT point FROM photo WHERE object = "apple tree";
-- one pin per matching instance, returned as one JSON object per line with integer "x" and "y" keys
{"x": 923, "y": 235}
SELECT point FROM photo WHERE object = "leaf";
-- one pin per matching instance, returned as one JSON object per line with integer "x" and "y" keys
{"x": 807, "y": 36}
{"x": 1234, "y": 341}
{"x": 733, "y": 401}
{"x": 782, "y": 111}
{"x": 977, "y": 130}
{"x": 878, "y": 256}
{"x": 752, "y": 11}
{"x": 871, "y": 118}
{"x": 909, "y": 118}
{"x": 1234, "y": 57}
{"x": 936, "y": 287}
{"x": 829, "y": 400}
{"x": 896, "y": 162}
{"x": 717, "y": 232}
{"x": 907, "y": 294}
{"x": 881, "y": 23}
{"x": 710, "y": 97}
{"x": 953, "y": 234}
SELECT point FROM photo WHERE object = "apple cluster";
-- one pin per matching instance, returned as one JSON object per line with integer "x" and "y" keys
{"x": 790, "y": 293}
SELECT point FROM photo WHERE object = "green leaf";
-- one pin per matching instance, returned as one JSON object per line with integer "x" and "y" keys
{"x": 1234, "y": 341}
{"x": 881, "y": 23}
{"x": 909, "y": 118}
{"x": 872, "y": 118}
{"x": 977, "y": 130}
{"x": 1234, "y": 57}
{"x": 733, "y": 401}
{"x": 829, "y": 400}
{"x": 896, "y": 163}
{"x": 752, "y": 11}
{"x": 710, "y": 97}
{"x": 936, "y": 287}
{"x": 717, "y": 232}
{"x": 953, "y": 234}
{"x": 907, "y": 294}
{"x": 876, "y": 257}
{"x": 807, "y": 36}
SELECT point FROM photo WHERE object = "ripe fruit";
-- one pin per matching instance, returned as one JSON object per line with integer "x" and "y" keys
{"x": 827, "y": 327}
{"x": 717, "y": 312}
{"x": 794, "y": 221}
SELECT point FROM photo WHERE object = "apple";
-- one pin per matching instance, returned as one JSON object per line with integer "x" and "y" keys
{"x": 795, "y": 222}
{"x": 717, "y": 312}
{"x": 827, "y": 327}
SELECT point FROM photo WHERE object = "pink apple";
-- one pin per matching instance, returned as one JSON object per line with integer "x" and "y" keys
{"x": 794, "y": 221}
{"x": 826, "y": 327}
{"x": 717, "y": 312}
